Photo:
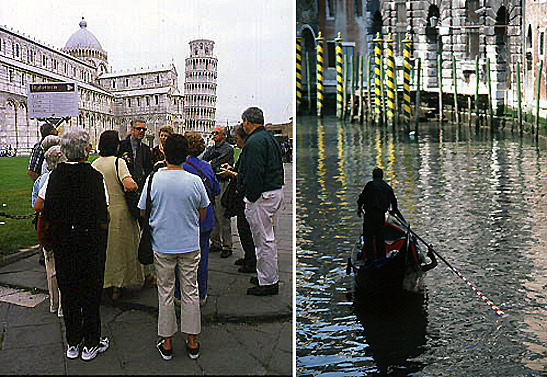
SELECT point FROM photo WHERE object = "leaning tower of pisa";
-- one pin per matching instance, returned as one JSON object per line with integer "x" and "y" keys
{"x": 200, "y": 87}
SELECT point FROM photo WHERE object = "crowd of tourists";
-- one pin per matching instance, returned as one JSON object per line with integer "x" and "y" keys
{"x": 183, "y": 192}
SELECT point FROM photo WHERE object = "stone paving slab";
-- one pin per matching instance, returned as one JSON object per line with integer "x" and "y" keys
{"x": 241, "y": 335}
{"x": 224, "y": 279}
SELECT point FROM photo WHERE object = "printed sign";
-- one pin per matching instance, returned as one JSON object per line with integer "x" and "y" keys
{"x": 52, "y": 99}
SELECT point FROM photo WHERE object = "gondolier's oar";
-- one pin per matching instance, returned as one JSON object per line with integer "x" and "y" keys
{"x": 484, "y": 298}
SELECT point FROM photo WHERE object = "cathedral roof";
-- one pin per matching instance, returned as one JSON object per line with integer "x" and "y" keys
{"x": 83, "y": 38}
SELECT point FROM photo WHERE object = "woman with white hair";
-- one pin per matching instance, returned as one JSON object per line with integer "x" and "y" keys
{"x": 74, "y": 203}
{"x": 48, "y": 142}
{"x": 52, "y": 157}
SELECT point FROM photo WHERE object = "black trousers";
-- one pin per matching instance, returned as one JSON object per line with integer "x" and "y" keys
{"x": 246, "y": 238}
{"x": 373, "y": 228}
{"x": 79, "y": 262}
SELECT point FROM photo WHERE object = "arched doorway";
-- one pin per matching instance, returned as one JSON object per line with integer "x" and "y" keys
{"x": 309, "y": 48}
{"x": 501, "y": 42}
{"x": 433, "y": 45}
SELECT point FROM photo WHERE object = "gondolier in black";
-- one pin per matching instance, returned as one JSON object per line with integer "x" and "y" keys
{"x": 375, "y": 200}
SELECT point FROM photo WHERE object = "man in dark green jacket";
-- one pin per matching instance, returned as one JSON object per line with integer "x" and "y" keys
{"x": 260, "y": 179}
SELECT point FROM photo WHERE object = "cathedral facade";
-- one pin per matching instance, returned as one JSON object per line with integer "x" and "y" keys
{"x": 107, "y": 100}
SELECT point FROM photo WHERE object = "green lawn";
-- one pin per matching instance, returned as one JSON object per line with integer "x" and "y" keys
{"x": 15, "y": 199}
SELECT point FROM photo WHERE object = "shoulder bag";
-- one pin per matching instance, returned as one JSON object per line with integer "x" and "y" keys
{"x": 207, "y": 181}
{"x": 44, "y": 232}
{"x": 131, "y": 197}
{"x": 146, "y": 254}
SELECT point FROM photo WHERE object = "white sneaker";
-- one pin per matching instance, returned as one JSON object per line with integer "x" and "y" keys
{"x": 89, "y": 353}
{"x": 73, "y": 352}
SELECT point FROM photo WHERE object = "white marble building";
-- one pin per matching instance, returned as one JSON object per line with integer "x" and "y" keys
{"x": 107, "y": 100}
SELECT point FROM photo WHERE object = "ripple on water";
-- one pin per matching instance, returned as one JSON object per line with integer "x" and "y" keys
{"x": 478, "y": 197}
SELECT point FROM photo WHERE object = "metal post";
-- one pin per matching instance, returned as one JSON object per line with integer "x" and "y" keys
{"x": 320, "y": 40}
{"x": 396, "y": 97}
{"x": 469, "y": 110}
{"x": 345, "y": 88}
{"x": 455, "y": 80}
{"x": 489, "y": 83}
{"x": 512, "y": 104}
{"x": 440, "y": 79}
{"x": 308, "y": 80}
{"x": 369, "y": 89}
{"x": 378, "y": 79}
{"x": 417, "y": 115}
{"x": 298, "y": 71}
{"x": 519, "y": 103}
{"x": 390, "y": 80}
{"x": 384, "y": 99}
{"x": 352, "y": 88}
{"x": 538, "y": 86}
{"x": 360, "y": 111}
{"x": 339, "y": 68}
{"x": 477, "y": 91}
{"x": 406, "y": 85}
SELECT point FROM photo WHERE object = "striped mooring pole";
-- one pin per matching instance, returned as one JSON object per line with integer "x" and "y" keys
{"x": 406, "y": 81}
{"x": 390, "y": 80}
{"x": 378, "y": 77}
{"x": 339, "y": 68}
{"x": 320, "y": 40}
{"x": 298, "y": 70}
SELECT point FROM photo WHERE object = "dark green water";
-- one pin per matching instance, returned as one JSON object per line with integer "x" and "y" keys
{"x": 479, "y": 197}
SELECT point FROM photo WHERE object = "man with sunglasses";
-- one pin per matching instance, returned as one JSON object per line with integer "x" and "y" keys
{"x": 136, "y": 154}
{"x": 219, "y": 154}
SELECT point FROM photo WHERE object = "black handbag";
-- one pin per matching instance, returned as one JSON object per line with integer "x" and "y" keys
{"x": 146, "y": 254}
{"x": 131, "y": 197}
{"x": 230, "y": 200}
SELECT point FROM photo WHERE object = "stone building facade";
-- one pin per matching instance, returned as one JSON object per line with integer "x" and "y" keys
{"x": 106, "y": 100}
{"x": 534, "y": 51}
{"x": 465, "y": 29}
{"x": 460, "y": 28}
{"x": 200, "y": 87}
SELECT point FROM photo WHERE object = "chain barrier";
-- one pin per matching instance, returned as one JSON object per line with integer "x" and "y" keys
{"x": 18, "y": 217}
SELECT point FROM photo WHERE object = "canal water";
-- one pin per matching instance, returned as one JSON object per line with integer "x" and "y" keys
{"x": 479, "y": 196}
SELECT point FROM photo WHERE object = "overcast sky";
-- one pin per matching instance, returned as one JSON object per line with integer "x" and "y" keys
{"x": 254, "y": 41}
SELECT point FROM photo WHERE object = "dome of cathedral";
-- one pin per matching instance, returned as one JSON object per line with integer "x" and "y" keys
{"x": 83, "y": 38}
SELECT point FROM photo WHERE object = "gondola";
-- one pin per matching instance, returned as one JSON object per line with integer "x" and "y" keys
{"x": 401, "y": 269}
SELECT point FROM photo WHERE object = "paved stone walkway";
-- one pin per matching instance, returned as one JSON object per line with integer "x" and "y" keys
{"x": 241, "y": 335}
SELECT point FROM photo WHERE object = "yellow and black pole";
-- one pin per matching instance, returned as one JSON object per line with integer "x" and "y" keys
{"x": 390, "y": 80}
{"x": 378, "y": 78}
{"x": 298, "y": 71}
{"x": 339, "y": 68}
{"x": 406, "y": 87}
{"x": 320, "y": 40}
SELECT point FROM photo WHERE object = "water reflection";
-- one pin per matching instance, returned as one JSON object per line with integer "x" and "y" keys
{"x": 478, "y": 196}
{"x": 394, "y": 329}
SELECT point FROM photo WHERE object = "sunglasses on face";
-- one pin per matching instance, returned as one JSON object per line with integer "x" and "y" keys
{"x": 215, "y": 133}
{"x": 140, "y": 128}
